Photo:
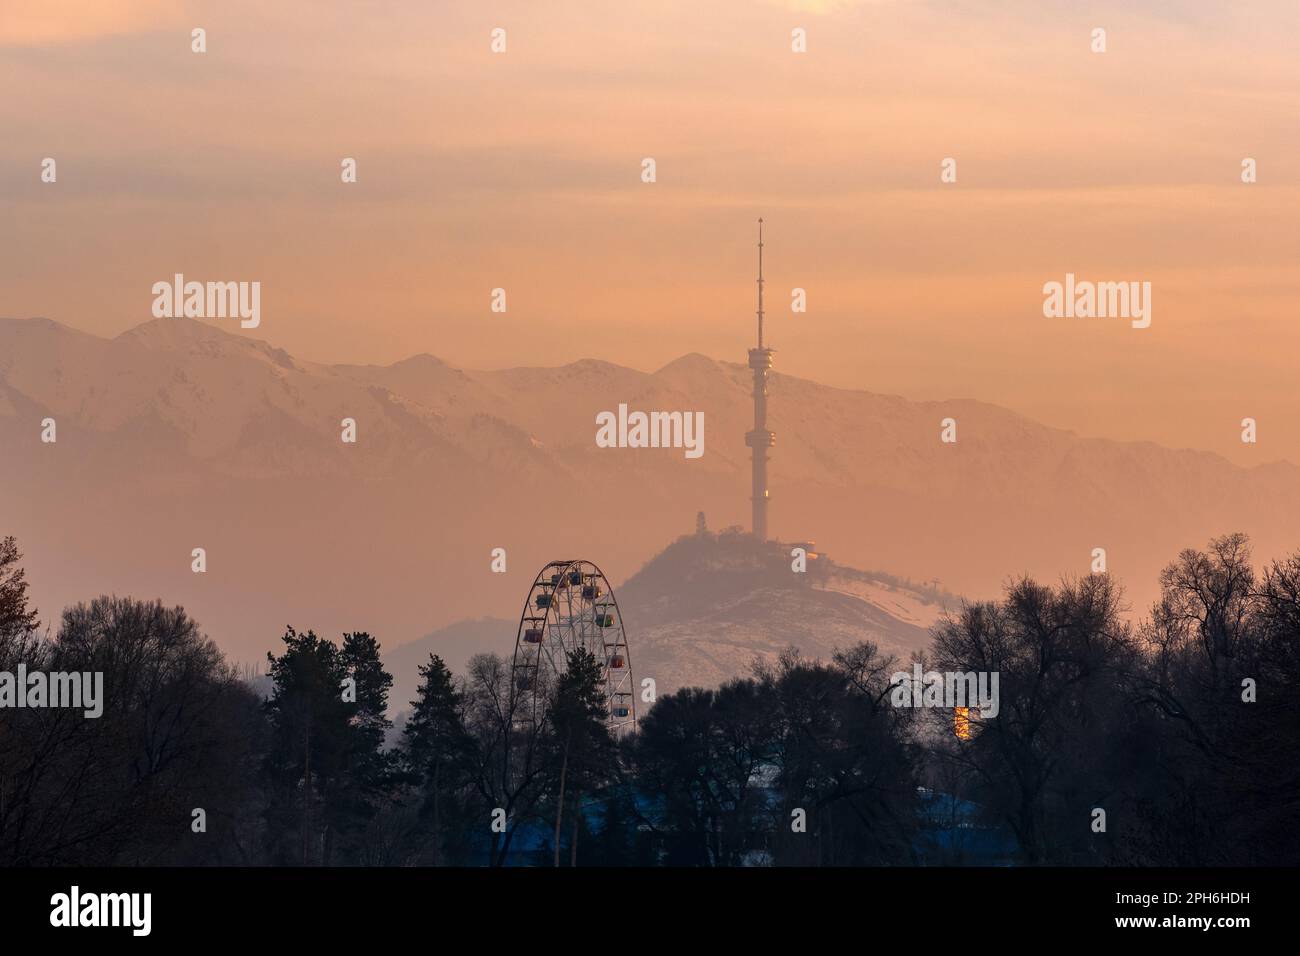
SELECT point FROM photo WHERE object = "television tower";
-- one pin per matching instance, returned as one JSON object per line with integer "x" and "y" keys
{"x": 760, "y": 439}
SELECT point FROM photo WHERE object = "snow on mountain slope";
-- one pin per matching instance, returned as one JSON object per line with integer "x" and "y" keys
{"x": 710, "y": 606}
{"x": 180, "y": 433}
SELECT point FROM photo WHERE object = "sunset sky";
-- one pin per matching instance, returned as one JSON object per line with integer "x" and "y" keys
{"x": 522, "y": 170}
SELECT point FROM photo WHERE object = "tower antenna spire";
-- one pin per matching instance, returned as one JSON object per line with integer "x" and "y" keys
{"x": 760, "y": 282}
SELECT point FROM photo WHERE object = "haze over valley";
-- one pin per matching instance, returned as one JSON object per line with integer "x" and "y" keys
{"x": 179, "y": 434}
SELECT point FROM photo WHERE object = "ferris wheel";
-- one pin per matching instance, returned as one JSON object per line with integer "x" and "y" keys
{"x": 570, "y": 607}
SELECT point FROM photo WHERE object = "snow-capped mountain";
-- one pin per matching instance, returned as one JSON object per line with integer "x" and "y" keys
{"x": 178, "y": 435}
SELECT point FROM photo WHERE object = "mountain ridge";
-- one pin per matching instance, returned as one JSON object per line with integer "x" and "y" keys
{"x": 151, "y": 331}
{"x": 179, "y": 433}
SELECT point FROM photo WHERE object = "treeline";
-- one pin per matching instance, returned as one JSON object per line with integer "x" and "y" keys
{"x": 1175, "y": 741}
{"x": 1183, "y": 729}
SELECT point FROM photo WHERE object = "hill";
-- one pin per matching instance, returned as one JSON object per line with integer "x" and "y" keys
{"x": 708, "y": 606}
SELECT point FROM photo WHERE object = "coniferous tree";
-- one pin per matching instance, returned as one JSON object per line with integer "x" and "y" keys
{"x": 367, "y": 772}
{"x": 436, "y": 745}
{"x": 16, "y": 620}
{"x": 326, "y": 765}
{"x": 585, "y": 746}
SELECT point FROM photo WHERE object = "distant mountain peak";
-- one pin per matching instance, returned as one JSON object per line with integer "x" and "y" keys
{"x": 420, "y": 360}
{"x": 693, "y": 362}
{"x": 165, "y": 331}
{"x": 185, "y": 334}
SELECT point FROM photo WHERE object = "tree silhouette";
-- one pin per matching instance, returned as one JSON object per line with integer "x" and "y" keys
{"x": 1182, "y": 728}
{"x": 580, "y": 715}
{"x": 510, "y": 747}
{"x": 326, "y": 764}
{"x": 437, "y": 745}
{"x": 1059, "y": 655}
{"x": 178, "y": 731}
{"x": 16, "y": 620}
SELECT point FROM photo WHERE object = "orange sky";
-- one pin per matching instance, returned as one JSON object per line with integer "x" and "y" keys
{"x": 522, "y": 171}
